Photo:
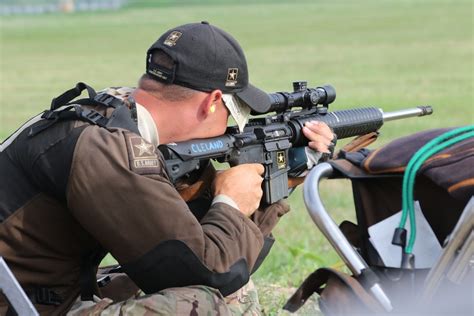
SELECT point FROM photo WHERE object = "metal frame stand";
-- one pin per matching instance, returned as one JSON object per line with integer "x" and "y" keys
{"x": 10, "y": 287}
{"x": 332, "y": 232}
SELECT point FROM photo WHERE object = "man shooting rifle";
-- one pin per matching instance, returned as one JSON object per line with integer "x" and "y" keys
{"x": 84, "y": 178}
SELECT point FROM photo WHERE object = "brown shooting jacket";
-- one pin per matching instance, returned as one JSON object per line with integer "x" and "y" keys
{"x": 75, "y": 191}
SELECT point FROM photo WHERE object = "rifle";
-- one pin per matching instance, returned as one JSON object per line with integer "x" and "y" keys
{"x": 274, "y": 140}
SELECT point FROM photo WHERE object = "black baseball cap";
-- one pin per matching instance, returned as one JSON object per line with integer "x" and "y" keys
{"x": 206, "y": 58}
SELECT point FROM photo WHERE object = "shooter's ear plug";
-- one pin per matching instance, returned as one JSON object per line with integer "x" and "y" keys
{"x": 212, "y": 109}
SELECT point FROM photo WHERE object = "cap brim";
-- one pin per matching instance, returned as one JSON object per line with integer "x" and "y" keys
{"x": 256, "y": 99}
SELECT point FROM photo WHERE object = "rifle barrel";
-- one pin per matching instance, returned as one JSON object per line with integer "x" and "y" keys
{"x": 353, "y": 122}
{"x": 417, "y": 111}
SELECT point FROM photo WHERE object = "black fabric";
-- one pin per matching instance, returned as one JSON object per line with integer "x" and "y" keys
{"x": 340, "y": 294}
{"x": 191, "y": 46}
{"x": 173, "y": 264}
{"x": 16, "y": 192}
{"x": 88, "y": 281}
{"x": 355, "y": 157}
{"x": 313, "y": 283}
{"x": 268, "y": 242}
{"x": 361, "y": 219}
{"x": 346, "y": 169}
{"x": 46, "y": 161}
{"x": 122, "y": 118}
{"x": 364, "y": 247}
{"x": 33, "y": 165}
{"x": 200, "y": 206}
{"x": 71, "y": 94}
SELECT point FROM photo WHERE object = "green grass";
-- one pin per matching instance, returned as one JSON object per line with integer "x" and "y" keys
{"x": 392, "y": 54}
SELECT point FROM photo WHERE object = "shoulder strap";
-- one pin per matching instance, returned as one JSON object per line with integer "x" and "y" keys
{"x": 71, "y": 94}
{"x": 66, "y": 113}
{"x": 64, "y": 108}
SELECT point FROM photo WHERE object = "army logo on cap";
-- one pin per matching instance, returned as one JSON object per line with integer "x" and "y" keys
{"x": 232, "y": 77}
{"x": 172, "y": 38}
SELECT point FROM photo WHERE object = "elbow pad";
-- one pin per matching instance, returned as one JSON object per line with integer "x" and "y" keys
{"x": 173, "y": 264}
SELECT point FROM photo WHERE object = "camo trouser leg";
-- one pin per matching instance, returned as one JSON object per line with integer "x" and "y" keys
{"x": 244, "y": 301}
{"x": 192, "y": 300}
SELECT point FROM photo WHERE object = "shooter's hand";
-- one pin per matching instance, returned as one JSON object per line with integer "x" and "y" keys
{"x": 320, "y": 136}
{"x": 243, "y": 184}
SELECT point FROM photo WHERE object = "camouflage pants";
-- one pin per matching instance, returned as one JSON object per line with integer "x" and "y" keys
{"x": 192, "y": 300}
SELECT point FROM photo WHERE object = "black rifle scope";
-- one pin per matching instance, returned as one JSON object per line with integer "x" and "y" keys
{"x": 302, "y": 96}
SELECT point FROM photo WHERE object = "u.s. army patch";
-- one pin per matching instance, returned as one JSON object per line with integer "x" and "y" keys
{"x": 142, "y": 156}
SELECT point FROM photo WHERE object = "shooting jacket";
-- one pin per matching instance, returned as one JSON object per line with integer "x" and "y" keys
{"x": 76, "y": 190}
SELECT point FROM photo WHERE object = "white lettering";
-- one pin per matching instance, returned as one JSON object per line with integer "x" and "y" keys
{"x": 205, "y": 147}
{"x": 145, "y": 163}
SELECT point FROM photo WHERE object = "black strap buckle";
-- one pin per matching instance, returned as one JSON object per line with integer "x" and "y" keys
{"x": 93, "y": 117}
{"x": 71, "y": 112}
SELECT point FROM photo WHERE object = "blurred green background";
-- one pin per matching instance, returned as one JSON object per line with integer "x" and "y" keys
{"x": 390, "y": 54}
